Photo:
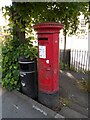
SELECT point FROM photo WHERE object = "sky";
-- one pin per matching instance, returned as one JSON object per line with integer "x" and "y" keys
{"x": 2, "y": 4}
{"x": 5, "y": 2}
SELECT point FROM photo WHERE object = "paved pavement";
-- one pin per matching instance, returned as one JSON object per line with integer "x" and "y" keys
{"x": 77, "y": 98}
{"x": 16, "y": 105}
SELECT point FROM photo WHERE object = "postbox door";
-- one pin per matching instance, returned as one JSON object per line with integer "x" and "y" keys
{"x": 45, "y": 63}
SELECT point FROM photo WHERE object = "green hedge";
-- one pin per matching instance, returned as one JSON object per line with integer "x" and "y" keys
{"x": 12, "y": 49}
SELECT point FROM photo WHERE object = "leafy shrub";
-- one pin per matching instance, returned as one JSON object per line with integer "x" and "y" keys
{"x": 0, "y": 64}
{"x": 12, "y": 49}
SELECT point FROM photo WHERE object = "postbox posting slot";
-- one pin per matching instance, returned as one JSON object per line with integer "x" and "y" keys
{"x": 42, "y": 38}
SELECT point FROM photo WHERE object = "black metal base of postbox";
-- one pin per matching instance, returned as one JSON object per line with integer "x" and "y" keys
{"x": 50, "y": 100}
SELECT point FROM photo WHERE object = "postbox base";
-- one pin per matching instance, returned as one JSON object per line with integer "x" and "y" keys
{"x": 50, "y": 100}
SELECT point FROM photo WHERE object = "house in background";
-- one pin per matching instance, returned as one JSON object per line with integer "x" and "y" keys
{"x": 79, "y": 41}
{"x": 78, "y": 45}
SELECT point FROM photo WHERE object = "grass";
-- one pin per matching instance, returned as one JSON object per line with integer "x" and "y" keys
{"x": 61, "y": 65}
{"x": 72, "y": 68}
{"x": 84, "y": 85}
{"x": 64, "y": 101}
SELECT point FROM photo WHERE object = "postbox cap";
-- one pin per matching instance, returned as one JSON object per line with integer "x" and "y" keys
{"x": 48, "y": 26}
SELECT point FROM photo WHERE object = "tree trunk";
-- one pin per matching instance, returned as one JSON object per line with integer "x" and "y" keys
{"x": 21, "y": 34}
{"x": 64, "y": 52}
{"x": 17, "y": 30}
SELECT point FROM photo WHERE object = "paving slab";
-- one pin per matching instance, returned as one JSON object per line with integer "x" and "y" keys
{"x": 70, "y": 91}
{"x": 70, "y": 113}
{"x": 17, "y": 105}
{"x": 79, "y": 108}
{"x": 0, "y": 102}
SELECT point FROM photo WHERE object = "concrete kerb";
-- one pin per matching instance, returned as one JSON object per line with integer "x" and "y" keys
{"x": 39, "y": 107}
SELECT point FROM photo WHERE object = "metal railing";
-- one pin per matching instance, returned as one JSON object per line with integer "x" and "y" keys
{"x": 80, "y": 60}
{"x": 76, "y": 59}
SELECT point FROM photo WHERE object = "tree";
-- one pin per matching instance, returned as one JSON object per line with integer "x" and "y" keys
{"x": 21, "y": 14}
{"x": 66, "y": 13}
{"x": 22, "y": 17}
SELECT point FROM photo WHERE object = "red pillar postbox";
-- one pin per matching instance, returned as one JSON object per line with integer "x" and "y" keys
{"x": 48, "y": 62}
